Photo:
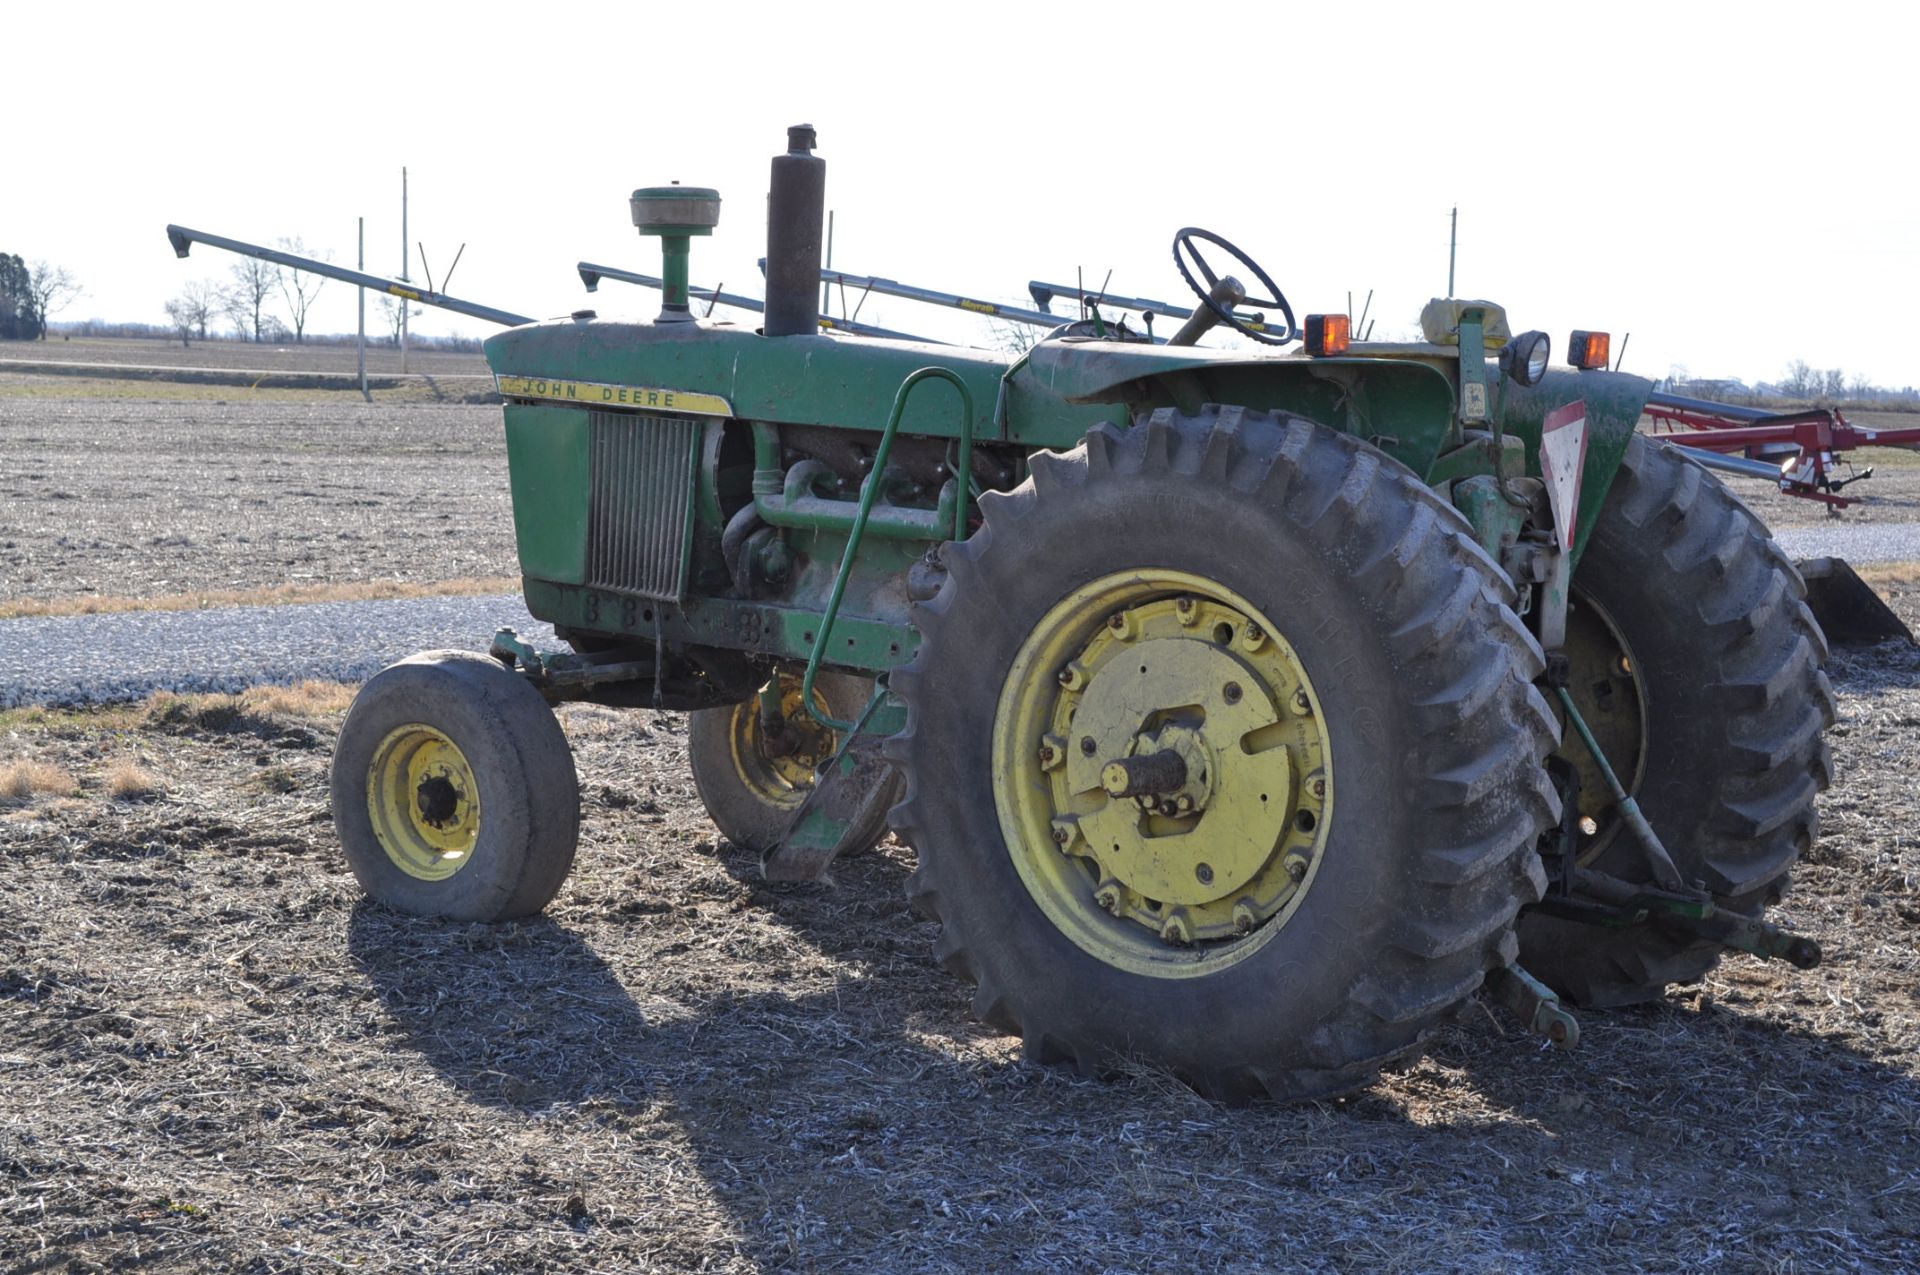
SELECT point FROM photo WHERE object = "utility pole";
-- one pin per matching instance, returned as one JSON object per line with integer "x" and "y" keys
{"x": 360, "y": 344}
{"x": 1453, "y": 244}
{"x": 405, "y": 304}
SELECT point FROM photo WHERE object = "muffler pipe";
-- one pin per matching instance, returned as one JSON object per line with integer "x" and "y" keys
{"x": 796, "y": 216}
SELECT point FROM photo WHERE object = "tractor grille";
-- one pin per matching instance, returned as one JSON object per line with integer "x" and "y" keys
{"x": 641, "y": 506}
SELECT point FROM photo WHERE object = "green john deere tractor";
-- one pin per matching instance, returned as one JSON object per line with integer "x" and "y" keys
{"x": 1246, "y": 709}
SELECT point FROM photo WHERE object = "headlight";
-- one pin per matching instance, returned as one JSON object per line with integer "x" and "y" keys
{"x": 1525, "y": 357}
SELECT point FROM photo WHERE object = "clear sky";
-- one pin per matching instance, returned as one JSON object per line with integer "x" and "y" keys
{"x": 1733, "y": 184}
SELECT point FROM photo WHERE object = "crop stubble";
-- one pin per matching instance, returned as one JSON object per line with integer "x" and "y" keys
{"x": 216, "y": 1056}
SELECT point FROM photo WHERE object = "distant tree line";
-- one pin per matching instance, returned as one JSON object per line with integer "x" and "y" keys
{"x": 1803, "y": 383}
{"x": 30, "y": 296}
{"x": 103, "y": 329}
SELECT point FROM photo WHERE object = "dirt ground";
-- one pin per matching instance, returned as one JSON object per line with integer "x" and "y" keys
{"x": 216, "y": 1056}
{"x": 133, "y": 495}
{"x": 115, "y": 488}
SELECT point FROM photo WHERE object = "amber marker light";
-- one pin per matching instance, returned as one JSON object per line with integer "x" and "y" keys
{"x": 1328, "y": 334}
{"x": 1588, "y": 350}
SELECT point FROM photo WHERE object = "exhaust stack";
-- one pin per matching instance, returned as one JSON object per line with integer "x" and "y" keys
{"x": 796, "y": 213}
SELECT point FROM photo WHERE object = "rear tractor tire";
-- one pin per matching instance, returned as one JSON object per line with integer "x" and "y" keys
{"x": 753, "y": 781}
{"x": 1223, "y": 754}
{"x": 453, "y": 790}
{"x": 1694, "y": 657}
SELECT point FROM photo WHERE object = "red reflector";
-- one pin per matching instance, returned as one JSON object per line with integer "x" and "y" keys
{"x": 1328, "y": 334}
{"x": 1588, "y": 350}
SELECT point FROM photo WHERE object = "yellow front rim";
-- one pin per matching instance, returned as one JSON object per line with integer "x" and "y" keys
{"x": 778, "y": 768}
{"x": 424, "y": 801}
{"x": 1164, "y": 778}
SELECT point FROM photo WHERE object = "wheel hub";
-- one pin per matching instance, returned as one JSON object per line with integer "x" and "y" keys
{"x": 424, "y": 802}
{"x": 776, "y": 743}
{"x": 1184, "y": 768}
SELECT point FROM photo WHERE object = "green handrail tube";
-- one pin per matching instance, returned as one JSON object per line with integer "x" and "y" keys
{"x": 868, "y": 491}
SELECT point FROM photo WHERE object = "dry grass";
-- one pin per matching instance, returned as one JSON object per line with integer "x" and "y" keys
{"x": 22, "y": 781}
{"x": 300, "y": 702}
{"x": 127, "y": 780}
{"x": 310, "y": 698}
{"x": 1889, "y": 575}
{"x": 274, "y": 595}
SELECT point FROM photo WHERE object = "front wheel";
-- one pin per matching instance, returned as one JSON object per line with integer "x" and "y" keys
{"x": 1222, "y": 753}
{"x": 454, "y": 792}
{"x": 753, "y": 762}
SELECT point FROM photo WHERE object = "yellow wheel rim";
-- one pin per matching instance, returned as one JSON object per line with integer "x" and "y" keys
{"x": 778, "y": 768}
{"x": 1164, "y": 778}
{"x": 424, "y": 801}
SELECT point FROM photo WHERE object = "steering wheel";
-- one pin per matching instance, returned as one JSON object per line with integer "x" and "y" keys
{"x": 1183, "y": 247}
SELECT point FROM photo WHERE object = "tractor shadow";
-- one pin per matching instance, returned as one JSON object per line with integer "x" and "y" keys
{"x": 832, "y": 1127}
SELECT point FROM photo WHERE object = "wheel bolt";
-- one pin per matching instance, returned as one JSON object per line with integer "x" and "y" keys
{"x": 1231, "y": 692}
{"x": 1053, "y": 751}
{"x": 1108, "y": 897}
{"x": 1185, "y": 610}
{"x": 1087, "y": 747}
{"x": 1301, "y": 704}
{"x": 1244, "y": 917}
{"x": 1253, "y": 637}
{"x": 1297, "y": 869}
{"x": 1318, "y": 787}
{"x": 1072, "y": 678}
{"x": 1184, "y": 804}
{"x": 1176, "y": 930}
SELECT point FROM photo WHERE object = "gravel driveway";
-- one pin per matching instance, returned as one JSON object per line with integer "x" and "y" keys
{"x": 1857, "y": 542}
{"x": 91, "y": 658}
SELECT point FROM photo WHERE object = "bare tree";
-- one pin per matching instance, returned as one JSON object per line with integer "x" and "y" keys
{"x": 51, "y": 288}
{"x": 300, "y": 287}
{"x": 1801, "y": 381}
{"x": 391, "y": 310}
{"x": 192, "y": 310}
{"x": 245, "y": 296}
{"x": 1833, "y": 384}
{"x": 1014, "y": 338}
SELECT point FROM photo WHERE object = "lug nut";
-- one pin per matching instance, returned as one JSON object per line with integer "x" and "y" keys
{"x": 1301, "y": 704}
{"x": 1053, "y": 751}
{"x": 1176, "y": 930}
{"x": 1183, "y": 804}
{"x": 1072, "y": 678}
{"x": 1108, "y": 897}
{"x": 1318, "y": 787}
{"x": 1253, "y": 637}
{"x": 1297, "y": 869}
{"x": 1062, "y": 835}
{"x": 1185, "y": 610}
{"x": 1244, "y": 917}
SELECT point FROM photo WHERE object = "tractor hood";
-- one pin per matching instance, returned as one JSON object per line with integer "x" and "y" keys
{"x": 1086, "y": 370}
